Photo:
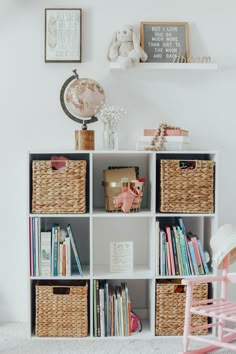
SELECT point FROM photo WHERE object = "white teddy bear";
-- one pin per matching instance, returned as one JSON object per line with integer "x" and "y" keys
{"x": 125, "y": 47}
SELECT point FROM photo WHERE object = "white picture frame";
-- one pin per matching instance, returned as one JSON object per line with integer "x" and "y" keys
{"x": 63, "y": 33}
{"x": 121, "y": 257}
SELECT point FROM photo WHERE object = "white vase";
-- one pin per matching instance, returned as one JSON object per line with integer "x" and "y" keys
{"x": 110, "y": 139}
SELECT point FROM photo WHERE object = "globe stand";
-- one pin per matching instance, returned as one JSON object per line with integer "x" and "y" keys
{"x": 84, "y": 139}
{"x": 90, "y": 95}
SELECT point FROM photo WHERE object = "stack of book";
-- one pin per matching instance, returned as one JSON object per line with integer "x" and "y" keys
{"x": 179, "y": 253}
{"x": 174, "y": 139}
{"x": 50, "y": 251}
{"x": 111, "y": 309}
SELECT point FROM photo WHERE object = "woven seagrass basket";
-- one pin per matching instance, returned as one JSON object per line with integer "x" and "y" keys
{"x": 61, "y": 311}
{"x": 58, "y": 191}
{"x": 170, "y": 309}
{"x": 187, "y": 186}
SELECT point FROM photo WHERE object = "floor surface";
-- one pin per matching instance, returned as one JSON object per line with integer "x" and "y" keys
{"x": 14, "y": 339}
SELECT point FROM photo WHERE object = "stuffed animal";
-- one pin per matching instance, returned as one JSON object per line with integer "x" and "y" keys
{"x": 125, "y": 47}
{"x": 129, "y": 196}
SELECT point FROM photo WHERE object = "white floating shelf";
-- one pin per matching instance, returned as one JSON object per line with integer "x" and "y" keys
{"x": 167, "y": 66}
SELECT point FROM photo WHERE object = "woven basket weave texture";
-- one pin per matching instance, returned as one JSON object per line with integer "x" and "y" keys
{"x": 59, "y": 192}
{"x": 170, "y": 309}
{"x": 61, "y": 315}
{"x": 187, "y": 190}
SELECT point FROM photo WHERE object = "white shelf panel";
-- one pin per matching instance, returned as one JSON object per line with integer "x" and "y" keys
{"x": 60, "y": 215}
{"x": 140, "y": 272}
{"x": 162, "y": 277}
{"x": 166, "y": 66}
{"x": 180, "y": 215}
{"x": 102, "y": 213}
{"x": 86, "y": 275}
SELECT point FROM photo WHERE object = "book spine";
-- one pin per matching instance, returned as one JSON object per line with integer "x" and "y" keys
{"x": 31, "y": 247}
{"x": 64, "y": 258}
{"x": 106, "y": 309}
{"x": 74, "y": 250}
{"x": 102, "y": 317}
{"x": 168, "y": 259}
{"x": 55, "y": 251}
{"x": 175, "y": 253}
{"x": 68, "y": 256}
{"x": 179, "y": 253}
{"x": 94, "y": 310}
{"x": 157, "y": 248}
{"x": 206, "y": 269}
{"x": 194, "y": 261}
{"x": 197, "y": 254}
{"x": 163, "y": 252}
{"x": 184, "y": 253}
{"x": 172, "y": 264}
{"x": 98, "y": 309}
{"x": 61, "y": 259}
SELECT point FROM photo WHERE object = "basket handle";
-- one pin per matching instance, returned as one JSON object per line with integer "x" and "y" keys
{"x": 61, "y": 290}
{"x": 63, "y": 168}
{"x": 179, "y": 289}
{"x": 188, "y": 165}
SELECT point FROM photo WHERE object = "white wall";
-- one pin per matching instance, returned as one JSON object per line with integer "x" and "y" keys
{"x": 32, "y": 118}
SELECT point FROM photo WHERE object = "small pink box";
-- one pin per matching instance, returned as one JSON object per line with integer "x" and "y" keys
{"x": 168, "y": 132}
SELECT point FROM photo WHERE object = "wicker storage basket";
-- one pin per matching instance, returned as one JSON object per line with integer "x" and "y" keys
{"x": 58, "y": 191}
{"x": 170, "y": 309}
{"x": 187, "y": 186}
{"x": 61, "y": 311}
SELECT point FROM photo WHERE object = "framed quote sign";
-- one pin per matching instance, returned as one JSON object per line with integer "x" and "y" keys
{"x": 165, "y": 42}
{"x": 63, "y": 35}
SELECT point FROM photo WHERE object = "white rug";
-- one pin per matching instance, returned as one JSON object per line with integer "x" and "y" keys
{"x": 14, "y": 339}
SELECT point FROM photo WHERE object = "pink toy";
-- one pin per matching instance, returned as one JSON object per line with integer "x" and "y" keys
{"x": 129, "y": 195}
{"x": 219, "y": 309}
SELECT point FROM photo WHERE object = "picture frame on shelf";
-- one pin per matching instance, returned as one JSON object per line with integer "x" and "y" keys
{"x": 63, "y": 35}
{"x": 165, "y": 42}
{"x": 121, "y": 257}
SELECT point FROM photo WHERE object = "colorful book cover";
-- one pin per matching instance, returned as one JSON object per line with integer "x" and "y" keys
{"x": 45, "y": 254}
{"x": 69, "y": 230}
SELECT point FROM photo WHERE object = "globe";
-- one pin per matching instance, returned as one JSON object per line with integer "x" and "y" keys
{"x": 81, "y": 98}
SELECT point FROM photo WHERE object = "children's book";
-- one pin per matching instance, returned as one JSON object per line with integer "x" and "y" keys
{"x": 69, "y": 230}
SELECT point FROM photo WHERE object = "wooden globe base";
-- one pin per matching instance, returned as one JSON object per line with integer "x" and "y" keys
{"x": 84, "y": 139}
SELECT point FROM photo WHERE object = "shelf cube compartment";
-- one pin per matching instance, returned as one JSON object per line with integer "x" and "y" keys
{"x": 52, "y": 265}
{"x": 115, "y": 304}
{"x": 143, "y": 165}
{"x": 136, "y": 230}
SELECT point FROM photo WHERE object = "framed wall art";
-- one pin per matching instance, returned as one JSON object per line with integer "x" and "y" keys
{"x": 165, "y": 42}
{"x": 63, "y": 34}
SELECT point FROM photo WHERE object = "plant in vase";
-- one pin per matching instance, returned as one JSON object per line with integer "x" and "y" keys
{"x": 110, "y": 117}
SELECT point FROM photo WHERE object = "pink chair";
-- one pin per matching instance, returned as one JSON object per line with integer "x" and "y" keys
{"x": 219, "y": 309}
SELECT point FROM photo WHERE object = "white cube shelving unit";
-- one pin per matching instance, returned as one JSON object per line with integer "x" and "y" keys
{"x": 96, "y": 228}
